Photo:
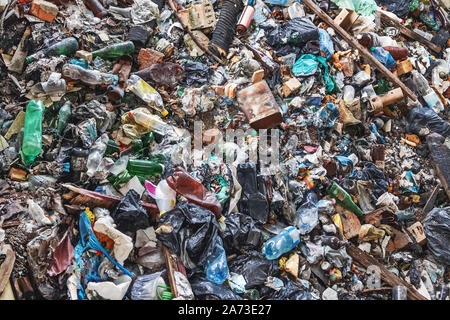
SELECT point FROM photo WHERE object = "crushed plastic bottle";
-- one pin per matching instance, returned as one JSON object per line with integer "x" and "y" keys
{"x": 32, "y": 135}
{"x": 96, "y": 154}
{"x": 307, "y": 214}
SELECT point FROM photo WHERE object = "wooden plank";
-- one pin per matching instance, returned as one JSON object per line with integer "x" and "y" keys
{"x": 409, "y": 33}
{"x": 170, "y": 271}
{"x": 366, "y": 260}
{"x": 362, "y": 50}
{"x": 6, "y": 267}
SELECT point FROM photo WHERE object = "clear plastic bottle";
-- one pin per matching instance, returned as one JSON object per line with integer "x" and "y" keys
{"x": 307, "y": 214}
{"x": 150, "y": 121}
{"x": 284, "y": 242}
{"x": 96, "y": 154}
{"x": 427, "y": 93}
{"x": 326, "y": 206}
{"x": 216, "y": 264}
{"x": 90, "y": 77}
{"x": 147, "y": 93}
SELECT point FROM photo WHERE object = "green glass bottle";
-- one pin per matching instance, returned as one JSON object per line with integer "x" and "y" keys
{"x": 32, "y": 133}
{"x": 122, "y": 177}
{"x": 344, "y": 199}
{"x": 65, "y": 47}
{"x": 115, "y": 50}
{"x": 63, "y": 117}
{"x": 144, "y": 168}
{"x": 111, "y": 148}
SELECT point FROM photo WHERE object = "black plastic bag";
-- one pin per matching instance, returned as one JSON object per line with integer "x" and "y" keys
{"x": 240, "y": 233}
{"x": 207, "y": 290}
{"x": 193, "y": 235}
{"x": 420, "y": 117}
{"x": 437, "y": 230}
{"x": 129, "y": 215}
{"x": 399, "y": 7}
{"x": 254, "y": 267}
{"x": 196, "y": 73}
{"x": 252, "y": 202}
{"x": 297, "y": 32}
{"x": 291, "y": 291}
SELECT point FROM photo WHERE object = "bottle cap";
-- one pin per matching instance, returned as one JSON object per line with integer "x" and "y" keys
{"x": 372, "y": 48}
{"x": 164, "y": 113}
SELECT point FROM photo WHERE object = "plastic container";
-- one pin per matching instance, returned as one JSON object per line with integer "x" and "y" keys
{"x": 164, "y": 195}
{"x": 284, "y": 242}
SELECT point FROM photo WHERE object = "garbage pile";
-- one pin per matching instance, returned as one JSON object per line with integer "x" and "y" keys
{"x": 117, "y": 182}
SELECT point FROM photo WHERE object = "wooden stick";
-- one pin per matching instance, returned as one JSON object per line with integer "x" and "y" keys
{"x": 6, "y": 267}
{"x": 188, "y": 30}
{"x": 363, "y": 51}
{"x": 170, "y": 270}
{"x": 409, "y": 33}
{"x": 366, "y": 260}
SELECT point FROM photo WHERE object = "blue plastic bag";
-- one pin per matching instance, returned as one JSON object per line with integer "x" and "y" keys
{"x": 326, "y": 45}
{"x": 308, "y": 64}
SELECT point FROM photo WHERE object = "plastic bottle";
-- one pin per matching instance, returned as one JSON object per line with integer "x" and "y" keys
{"x": 147, "y": 93}
{"x": 96, "y": 7}
{"x": 150, "y": 121}
{"x": 307, "y": 214}
{"x": 398, "y": 53}
{"x": 32, "y": 133}
{"x": 65, "y": 47}
{"x": 144, "y": 168}
{"x": 190, "y": 188}
{"x": 349, "y": 94}
{"x": 427, "y": 93}
{"x": 342, "y": 197}
{"x": 384, "y": 57}
{"x": 87, "y": 76}
{"x": 284, "y": 242}
{"x": 115, "y": 50}
{"x": 63, "y": 117}
{"x": 96, "y": 154}
{"x": 216, "y": 264}
{"x": 164, "y": 195}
